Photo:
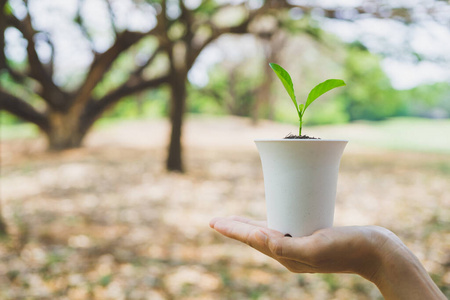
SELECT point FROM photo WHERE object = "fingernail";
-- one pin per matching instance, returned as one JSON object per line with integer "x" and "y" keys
{"x": 261, "y": 236}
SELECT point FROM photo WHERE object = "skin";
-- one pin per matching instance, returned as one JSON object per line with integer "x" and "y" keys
{"x": 373, "y": 252}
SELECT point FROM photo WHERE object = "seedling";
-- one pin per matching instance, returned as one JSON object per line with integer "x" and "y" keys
{"x": 315, "y": 93}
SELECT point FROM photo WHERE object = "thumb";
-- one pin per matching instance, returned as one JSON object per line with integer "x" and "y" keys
{"x": 282, "y": 246}
{"x": 276, "y": 241}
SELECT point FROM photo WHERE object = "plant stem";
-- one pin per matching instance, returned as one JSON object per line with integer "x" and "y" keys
{"x": 300, "y": 120}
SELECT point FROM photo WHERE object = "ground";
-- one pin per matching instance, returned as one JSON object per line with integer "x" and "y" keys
{"x": 106, "y": 221}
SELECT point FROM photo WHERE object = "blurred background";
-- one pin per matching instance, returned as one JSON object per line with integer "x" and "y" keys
{"x": 126, "y": 125}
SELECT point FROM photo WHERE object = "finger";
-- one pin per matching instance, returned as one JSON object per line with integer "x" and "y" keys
{"x": 243, "y": 232}
{"x": 240, "y": 219}
{"x": 264, "y": 240}
{"x": 249, "y": 221}
{"x": 214, "y": 221}
{"x": 235, "y": 229}
{"x": 272, "y": 243}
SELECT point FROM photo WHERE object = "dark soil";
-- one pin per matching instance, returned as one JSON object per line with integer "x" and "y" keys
{"x": 291, "y": 136}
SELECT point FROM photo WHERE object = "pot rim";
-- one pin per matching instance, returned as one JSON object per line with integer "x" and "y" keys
{"x": 299, "y": 140}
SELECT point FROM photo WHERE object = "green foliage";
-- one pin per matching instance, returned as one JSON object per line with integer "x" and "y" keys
{"x": 8, "y": 119}
{"x": 371, "y": 96}
{"x": 7, "y": 9}
{"x": 12, "y": 127}
{"x": 152, "y": 103}
{"x": 299, "y": 22}
{"x": 201, "y": 102}
{"x": 330, "y": 111}
{"x": 124, "y": 65}
{"x": 321, "y": 89}
{"x": 315, "y": 93}
{"x": 11, "y": 86}
{"x": 207, "y": 7}
{"x": 430, "y": 101}
{"x": 232, "y": 88}
{"x": 285, "y": 78}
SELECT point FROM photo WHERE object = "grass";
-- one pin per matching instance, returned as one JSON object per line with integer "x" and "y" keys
{"x": 399, "y": 134}
{"x": 403, "y": 133}
{"x": 413, "y": 134}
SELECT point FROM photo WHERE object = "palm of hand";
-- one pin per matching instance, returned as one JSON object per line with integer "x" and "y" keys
{"x": 330, "y": 250}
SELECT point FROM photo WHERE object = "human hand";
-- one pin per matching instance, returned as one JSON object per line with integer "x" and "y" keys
{"x": 330, "y": 250}
{"x": 370, "y": 251}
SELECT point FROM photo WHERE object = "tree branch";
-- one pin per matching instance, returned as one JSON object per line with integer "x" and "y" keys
{"x": 51, "y": 93}
{"x": 51, "y": 64}
{"x": 3, "y": 26}
{"x": 94, "y": 109}
{"x": 4, "y": 65}
{"x": 23, "y": 110}
{"x": 138, "y": 71}
{"x": 127, "y": 90}
{"x": 111, "y": 18}
{"x": 79, "y": 20}
{"x": 217, "y": 32}
{"x": 2, "y": 4}
{"x": 188, "y": 20}
{"x": 102, "y": 63}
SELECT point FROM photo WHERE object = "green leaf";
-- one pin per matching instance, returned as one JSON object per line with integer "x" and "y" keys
{"x": 322, "y": 88}
{"x": 286, "y": 80}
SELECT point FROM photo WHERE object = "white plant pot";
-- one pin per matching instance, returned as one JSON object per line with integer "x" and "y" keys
{"x": 300, "y": 180}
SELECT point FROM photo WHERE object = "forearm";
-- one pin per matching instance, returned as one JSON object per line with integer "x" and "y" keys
{"x": 370, "y": 251}
{"x": 401, "y": 276}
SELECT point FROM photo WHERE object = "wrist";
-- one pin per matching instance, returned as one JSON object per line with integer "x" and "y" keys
{"x": 397, "y": 272}
{"x": 378, "y": 244}
{"x": 390, "y": 254}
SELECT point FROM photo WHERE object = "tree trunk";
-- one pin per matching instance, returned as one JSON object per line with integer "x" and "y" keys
{"x": 272, "y": 45}
{"x": 178, "y": 103}
{"x": 3, "y": 227}
{"x": 64, "y": 131}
